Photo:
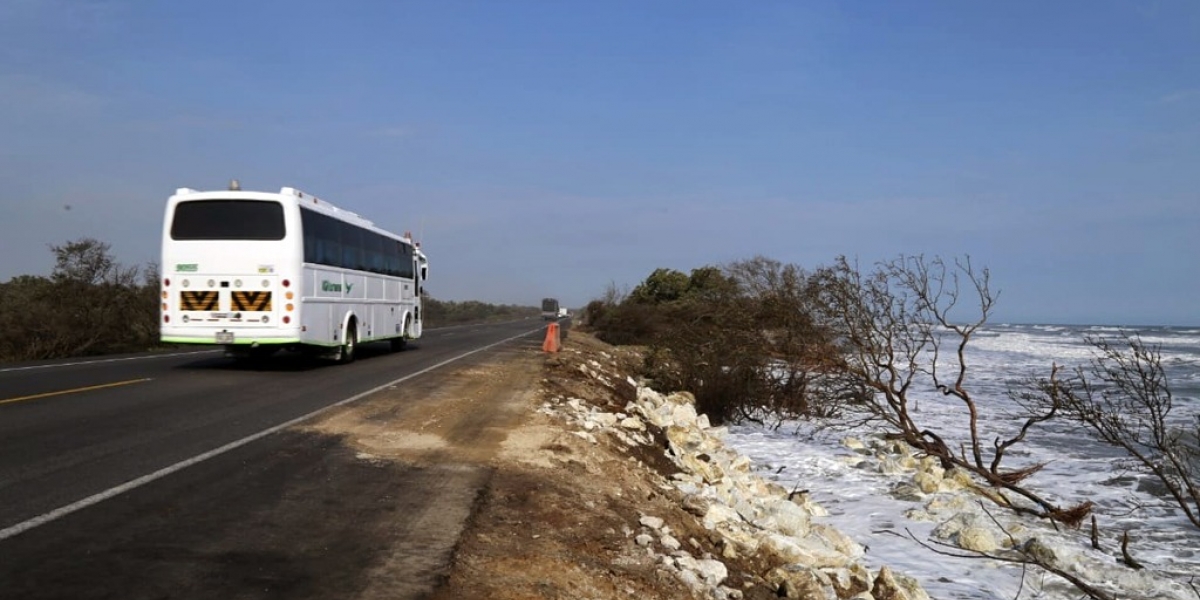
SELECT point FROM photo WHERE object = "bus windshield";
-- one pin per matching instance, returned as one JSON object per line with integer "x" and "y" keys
{"x": 227, "y": 220}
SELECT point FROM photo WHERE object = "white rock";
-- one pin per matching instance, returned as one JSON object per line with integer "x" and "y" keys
{"x": 956, "y": 502}
{"x": 651, "y": 522}
{"x": 890, "y": 584}
{"x": 633, "y": 423}
{"x": 752, "y": 514}
{"x": 977, "y": 539}
{"x": 970, "y": 531}
{"x": 956, "y": 479}
{"x": 712, "y": 571}
{"x": 605, "y": 419}
{"x": 740, "y": 465}
{"x": 718, "y": 513}
{"x": 809, "y": 505}
{"x": 684, "y": 415}
{"x": 691, "y": 579}
{"x": 927, "y": 482}
{"x": 643, "y": 540}
{"x": 837, "y": 540}
{"x": 932, "y": 464}
{"x": 801, "y": 581}
{"x": 787, "y": 517}
{"x": 809, "y": 551}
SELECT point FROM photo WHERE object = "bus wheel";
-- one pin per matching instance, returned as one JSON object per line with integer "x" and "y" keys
{"x": 401, "y": 342}
{"x": 347, "y": 355}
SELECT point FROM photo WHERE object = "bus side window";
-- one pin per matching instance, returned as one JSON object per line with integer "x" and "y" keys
{"x": 323, "y": 232}
{"x": 351, "y": 246}
{"x": 373, "y": 247}
{"x": 406, "y": 262}
{"x": 308, "y": 225}
{"x": 391, "y": 257}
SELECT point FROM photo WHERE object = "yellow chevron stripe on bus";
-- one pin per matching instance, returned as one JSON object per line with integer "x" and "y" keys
{"x": 192, "y": 300}
{"x": 252, "y": 301}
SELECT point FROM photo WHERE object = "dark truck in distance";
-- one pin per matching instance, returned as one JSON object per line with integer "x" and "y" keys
{"x": 549, "y": 309}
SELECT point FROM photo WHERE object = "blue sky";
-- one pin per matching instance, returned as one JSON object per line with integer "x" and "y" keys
{"x": 552, "y": 148}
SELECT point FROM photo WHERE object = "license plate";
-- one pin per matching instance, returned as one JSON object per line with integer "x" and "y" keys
{"x": 224, "y": 337}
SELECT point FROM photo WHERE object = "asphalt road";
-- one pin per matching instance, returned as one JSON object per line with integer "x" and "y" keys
{"x": 112, "y": 466}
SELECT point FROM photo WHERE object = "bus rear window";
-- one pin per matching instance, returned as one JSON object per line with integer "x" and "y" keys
{"x": 227, "y": 220}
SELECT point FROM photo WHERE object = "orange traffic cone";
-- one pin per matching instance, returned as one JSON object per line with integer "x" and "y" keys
{"x": 551, "y": 344}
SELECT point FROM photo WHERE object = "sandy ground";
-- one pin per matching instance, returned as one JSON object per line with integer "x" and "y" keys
{"x": 558, "y": 515}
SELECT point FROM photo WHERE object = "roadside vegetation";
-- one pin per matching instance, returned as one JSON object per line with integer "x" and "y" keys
{"x": 91, "y": 304}
{"x": 764, "y": 341}
{"x": 440, "y": 313}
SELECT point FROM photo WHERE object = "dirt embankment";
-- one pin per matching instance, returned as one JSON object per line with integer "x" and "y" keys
{"x": 559, "y": 512}
{"x": 577, "y": 496}
{"x": 562, "y": 515}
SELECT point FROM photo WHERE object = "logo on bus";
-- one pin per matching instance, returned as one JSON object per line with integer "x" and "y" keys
{"x": 187, "y": 267}
{"x": 328, "y": 286}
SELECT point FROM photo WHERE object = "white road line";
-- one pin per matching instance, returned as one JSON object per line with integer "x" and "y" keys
{"x": 63, "y": 511}
{"x": 107, "y": 360}
{"x": 153, "y": 356}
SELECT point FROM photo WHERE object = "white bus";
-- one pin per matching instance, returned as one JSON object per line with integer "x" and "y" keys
{"x": 258, "y": 271}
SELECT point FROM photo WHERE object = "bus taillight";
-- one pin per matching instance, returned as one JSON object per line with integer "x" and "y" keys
{"x": 286, "y": 283}
{"x": 286, "y": 319}
{"x": 167, "y": 282}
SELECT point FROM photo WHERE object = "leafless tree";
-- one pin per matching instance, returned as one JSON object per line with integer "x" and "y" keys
{"x": 900, "y": 328}
{"x": 1123, "y": 397}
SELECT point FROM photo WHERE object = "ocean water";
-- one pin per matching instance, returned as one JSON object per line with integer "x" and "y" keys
{"x": 797, "y": 454}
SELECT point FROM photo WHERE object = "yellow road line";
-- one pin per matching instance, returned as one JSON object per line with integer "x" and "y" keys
{"x": 74, "y": 390}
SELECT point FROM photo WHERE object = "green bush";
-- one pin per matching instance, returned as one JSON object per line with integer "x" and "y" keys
{"x": 89, "y": 305}
{"x": 741, "y": 338}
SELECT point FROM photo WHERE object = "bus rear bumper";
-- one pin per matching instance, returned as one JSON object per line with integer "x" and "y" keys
{"x": 229, "y": 337}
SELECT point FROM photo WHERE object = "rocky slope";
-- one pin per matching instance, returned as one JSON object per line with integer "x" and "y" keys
{"x": 611, "y": 490}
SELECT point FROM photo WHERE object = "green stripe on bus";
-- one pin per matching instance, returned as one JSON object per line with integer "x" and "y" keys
{"x": 247, "y": 342}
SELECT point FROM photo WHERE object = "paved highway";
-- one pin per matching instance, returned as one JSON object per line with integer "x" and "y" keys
{"x": 75, "y": 433}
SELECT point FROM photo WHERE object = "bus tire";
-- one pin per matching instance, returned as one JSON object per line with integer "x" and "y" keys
{"x": 351, "y": 346}
{"x": 401, "y": 342}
